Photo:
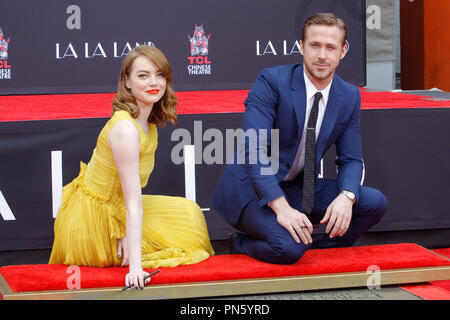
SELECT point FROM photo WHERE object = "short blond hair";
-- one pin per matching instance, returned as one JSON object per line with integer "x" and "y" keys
{"x": 328, "y": 19}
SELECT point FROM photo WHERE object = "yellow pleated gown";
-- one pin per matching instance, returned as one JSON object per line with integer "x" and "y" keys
{"x": 92, "y": 215}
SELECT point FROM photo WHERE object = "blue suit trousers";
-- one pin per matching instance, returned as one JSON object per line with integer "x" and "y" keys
{"x": 266, "y": 240}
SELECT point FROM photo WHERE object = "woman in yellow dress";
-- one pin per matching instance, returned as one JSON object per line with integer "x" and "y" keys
{"x": 104, "y": 220}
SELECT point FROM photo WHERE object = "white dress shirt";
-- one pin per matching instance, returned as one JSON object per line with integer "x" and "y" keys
{"x": 299, "y": 161}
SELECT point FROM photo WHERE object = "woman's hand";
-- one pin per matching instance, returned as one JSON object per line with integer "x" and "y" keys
{"x": 122, "y": 251}
{"x": 136, "y": 277}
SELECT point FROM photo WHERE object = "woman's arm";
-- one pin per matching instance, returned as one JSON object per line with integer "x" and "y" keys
{"x": 124, "y": 142}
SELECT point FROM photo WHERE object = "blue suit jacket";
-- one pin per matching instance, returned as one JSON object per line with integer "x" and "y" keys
{"x": 277, "y": 100}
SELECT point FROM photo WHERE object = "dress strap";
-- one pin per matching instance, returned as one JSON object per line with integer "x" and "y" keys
{"x": 120, "y": 115}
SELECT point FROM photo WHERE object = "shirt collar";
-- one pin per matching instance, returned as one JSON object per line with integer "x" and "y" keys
{"x": 311, "y": 89}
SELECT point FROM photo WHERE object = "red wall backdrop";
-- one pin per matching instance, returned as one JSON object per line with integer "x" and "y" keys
{"x": 425, "y": 41}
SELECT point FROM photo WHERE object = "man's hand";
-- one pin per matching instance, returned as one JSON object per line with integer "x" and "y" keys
{"x": 338, "y": 216}
{"x": 292, "y": 220}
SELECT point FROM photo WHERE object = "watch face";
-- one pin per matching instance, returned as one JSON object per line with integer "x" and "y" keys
{"x": 349, "y": 195}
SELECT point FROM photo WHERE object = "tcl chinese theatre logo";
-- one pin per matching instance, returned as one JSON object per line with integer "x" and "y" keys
{"x": 5, "y": 68}
{"x": 199, "y": 64}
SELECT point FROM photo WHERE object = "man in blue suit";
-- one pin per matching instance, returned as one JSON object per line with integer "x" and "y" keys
{"x": 266, "y": 199}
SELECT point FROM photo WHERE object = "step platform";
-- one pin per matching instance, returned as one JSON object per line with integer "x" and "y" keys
{"x": 231, "y": 275}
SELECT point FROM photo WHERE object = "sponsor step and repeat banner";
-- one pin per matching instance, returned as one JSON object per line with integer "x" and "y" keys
{"x": 59, "y": 46}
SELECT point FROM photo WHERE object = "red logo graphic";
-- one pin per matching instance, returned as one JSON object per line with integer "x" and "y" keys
{"x": 199, "y": 42}
{"x": 5, "y": 68}
{"x": 199, "y": 64}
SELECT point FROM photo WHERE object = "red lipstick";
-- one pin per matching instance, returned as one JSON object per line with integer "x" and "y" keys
{"x": 153, "y": 91}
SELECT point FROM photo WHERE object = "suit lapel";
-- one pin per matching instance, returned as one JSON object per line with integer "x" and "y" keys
{"x": 298, "y": 94}
{"x": 329, "y": 119}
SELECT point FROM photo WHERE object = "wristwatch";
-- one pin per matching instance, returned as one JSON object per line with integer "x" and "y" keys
{"x": 350, "y": 195}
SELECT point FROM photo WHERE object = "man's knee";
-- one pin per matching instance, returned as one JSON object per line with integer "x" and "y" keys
{"x": 288, "y": 253}
{"x": 375, "y": 202}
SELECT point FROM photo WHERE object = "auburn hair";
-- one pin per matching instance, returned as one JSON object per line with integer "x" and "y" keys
{"x": 165, "y": 109}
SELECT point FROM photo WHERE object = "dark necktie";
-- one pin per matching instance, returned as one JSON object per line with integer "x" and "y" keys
{"x": 309, "y": 171}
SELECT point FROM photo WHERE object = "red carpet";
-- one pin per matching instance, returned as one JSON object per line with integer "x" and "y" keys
{"x": 97, "y": 105}
{"x": 427, "y": 291}
{"x": 443, "y": 284}
{"x": 434, "y": 290}
{"x": 394, "y": 100}
{"x": 229, "y": 267}
{"x": 67, "y": 106}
